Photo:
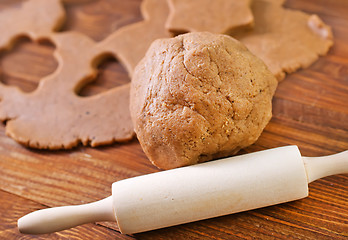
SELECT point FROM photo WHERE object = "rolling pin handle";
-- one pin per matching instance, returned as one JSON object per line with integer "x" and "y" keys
{"x": 60, "y": 218}
{"x": 319, "y": 167}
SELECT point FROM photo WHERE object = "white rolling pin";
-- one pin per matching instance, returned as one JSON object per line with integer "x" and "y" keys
{"x": 196, "y": 192}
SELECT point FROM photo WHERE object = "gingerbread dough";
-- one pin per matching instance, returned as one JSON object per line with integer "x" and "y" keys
{"x": 131, "y": 42}
{"x": 34, "y": 18}
{"x": 54, "y": 116}
{"x": 217, "y": 16}
{"x": 198, "y": 97}
{"x": 284, "y": 39}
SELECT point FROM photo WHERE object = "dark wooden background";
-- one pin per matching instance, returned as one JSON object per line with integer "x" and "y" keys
{"x": 310, "y": 110}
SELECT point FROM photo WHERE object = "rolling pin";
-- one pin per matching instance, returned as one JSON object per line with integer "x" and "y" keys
{"x": 196, "y": 192}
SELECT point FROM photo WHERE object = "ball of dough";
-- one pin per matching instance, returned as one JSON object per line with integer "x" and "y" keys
{"x": 197, "y": 97}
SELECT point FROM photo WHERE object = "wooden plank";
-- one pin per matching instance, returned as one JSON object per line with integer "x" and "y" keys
{"x": 321, "y": 7}
{"x": 70, "y": 177}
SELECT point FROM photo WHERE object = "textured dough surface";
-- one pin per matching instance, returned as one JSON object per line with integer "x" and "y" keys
{"x": 197, "y": 97}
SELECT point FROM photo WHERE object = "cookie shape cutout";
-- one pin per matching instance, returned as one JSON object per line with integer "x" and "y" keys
{"x": 218, "y": 16}
{"x": 33, "y": 18}
{"x": 131, "y": 42}
{"x": 197, "y": 97}
{"x": 54, "y": 116}
{"x": 285, "y": 39}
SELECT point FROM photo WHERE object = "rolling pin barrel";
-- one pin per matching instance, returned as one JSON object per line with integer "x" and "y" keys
{"x": 209, "y": 190}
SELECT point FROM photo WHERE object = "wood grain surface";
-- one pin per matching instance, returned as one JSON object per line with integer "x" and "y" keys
{"x": 310, "y": 110}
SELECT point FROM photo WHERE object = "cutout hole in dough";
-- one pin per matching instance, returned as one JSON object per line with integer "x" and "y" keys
{"x": 110, "y": 74}
{"x": 14, "y": 67}
{"x": 99, "y": 18}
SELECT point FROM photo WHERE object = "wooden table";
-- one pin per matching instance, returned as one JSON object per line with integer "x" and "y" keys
{"x": 310, "y": 110}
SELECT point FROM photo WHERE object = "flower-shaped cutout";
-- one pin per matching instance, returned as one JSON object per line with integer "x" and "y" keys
{"x": 14, "y": 67}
